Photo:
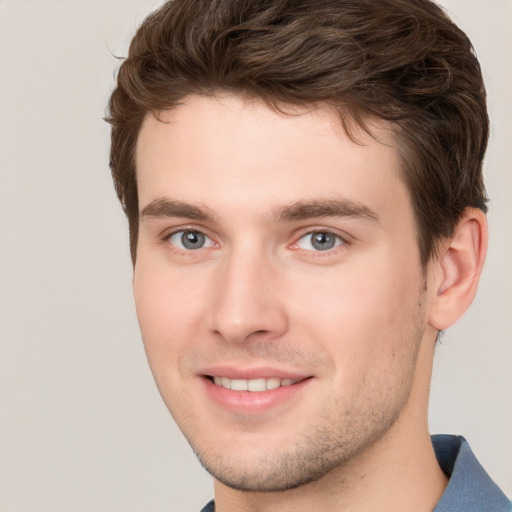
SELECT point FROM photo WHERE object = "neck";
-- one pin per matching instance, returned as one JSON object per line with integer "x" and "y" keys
{"x": 397, "y": 473}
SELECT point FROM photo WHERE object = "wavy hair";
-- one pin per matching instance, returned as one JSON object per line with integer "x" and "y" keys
{"x": 403, "y": 61}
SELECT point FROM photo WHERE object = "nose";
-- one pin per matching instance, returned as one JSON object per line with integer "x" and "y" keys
{"x": 248, "y": 301}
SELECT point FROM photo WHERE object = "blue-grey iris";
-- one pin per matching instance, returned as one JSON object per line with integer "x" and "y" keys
{"x": 192, "y": 239}
{"x": 322, "y": 241}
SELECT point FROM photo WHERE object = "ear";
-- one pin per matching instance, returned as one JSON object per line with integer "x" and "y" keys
{"x": 457, "y": 269}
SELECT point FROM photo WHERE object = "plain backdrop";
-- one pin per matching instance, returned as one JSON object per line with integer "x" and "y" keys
{"x": 82, "y": 426}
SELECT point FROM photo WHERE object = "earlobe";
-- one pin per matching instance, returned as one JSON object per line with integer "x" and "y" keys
{"x": 457, "y": 269}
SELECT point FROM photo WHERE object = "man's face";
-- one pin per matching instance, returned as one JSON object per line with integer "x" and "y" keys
{"x": 277, "y": 258}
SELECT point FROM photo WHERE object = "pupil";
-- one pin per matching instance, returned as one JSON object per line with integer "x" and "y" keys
{"x": 192, "y": 240}
{"x": 322, "y": 241}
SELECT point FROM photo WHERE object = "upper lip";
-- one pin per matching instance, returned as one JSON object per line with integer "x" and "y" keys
{"x": 249, "y": 373}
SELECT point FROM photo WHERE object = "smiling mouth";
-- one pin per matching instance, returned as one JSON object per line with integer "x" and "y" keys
{"x": 254, "y": 385}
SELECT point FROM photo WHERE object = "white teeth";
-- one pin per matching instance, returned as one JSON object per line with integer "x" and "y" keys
{"x": 273, "y": 383}
{"x": 253, "y": 384}
{"x": 256, "y": 385}
{"x": 238, "y": 384}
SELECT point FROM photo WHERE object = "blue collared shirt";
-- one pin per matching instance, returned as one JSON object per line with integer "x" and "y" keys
{"x": 470, "y": 489}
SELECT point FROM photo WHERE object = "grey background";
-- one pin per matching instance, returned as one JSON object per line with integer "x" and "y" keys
{"x": 82, "y": 427}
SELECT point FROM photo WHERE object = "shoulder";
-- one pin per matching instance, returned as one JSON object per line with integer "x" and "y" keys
{"x": 470, "y": 488}
{"x": 210, "y": 507}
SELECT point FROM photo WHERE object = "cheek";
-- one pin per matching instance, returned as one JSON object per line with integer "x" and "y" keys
{"x": 167, "y": 311}
{"x": 365, "y": 316}
{"x": 168, "y": 320}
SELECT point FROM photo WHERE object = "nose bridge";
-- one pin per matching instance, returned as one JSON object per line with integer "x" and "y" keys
{"x": 247, "y": 297}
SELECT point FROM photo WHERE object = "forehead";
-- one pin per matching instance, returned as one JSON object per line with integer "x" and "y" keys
{"x": 224, "y": 150}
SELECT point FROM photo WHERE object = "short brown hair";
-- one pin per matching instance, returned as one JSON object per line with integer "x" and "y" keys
{"x": 402, "y": 61}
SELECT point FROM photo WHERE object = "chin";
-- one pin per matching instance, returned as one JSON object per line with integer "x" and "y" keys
{"x": 264, "y": 469}
{"x": 270, "y": 474}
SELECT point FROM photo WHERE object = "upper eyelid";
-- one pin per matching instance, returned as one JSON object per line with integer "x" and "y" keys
{"x": 322, "y": 230}
{"x": 345, "y": 237}
{"x": 166, "y": 233}
{"x": 183, "y": 230}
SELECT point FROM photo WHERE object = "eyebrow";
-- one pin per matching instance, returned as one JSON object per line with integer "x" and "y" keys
{"x": 164, "y": 207}
{"x": 302, "y": 210}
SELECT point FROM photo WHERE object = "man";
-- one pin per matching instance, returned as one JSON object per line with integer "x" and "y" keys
{"x": 303, "y": 184}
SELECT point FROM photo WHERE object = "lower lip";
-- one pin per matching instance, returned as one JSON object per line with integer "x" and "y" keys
{"x": 252, "y": 402}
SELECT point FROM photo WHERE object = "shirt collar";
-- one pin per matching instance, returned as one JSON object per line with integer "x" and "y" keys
{"x": 470, "y": 489}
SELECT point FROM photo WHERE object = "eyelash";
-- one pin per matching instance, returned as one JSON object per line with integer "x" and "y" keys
{"x": 182, "y": 231}
{"x": 339, "y": 242}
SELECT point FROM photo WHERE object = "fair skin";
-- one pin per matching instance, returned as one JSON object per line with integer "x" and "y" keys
{"x": 278, "y": 258}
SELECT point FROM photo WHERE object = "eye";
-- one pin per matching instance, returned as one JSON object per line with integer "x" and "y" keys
{"x": 190, "y": 240}
{"x": 319, "y": 241}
